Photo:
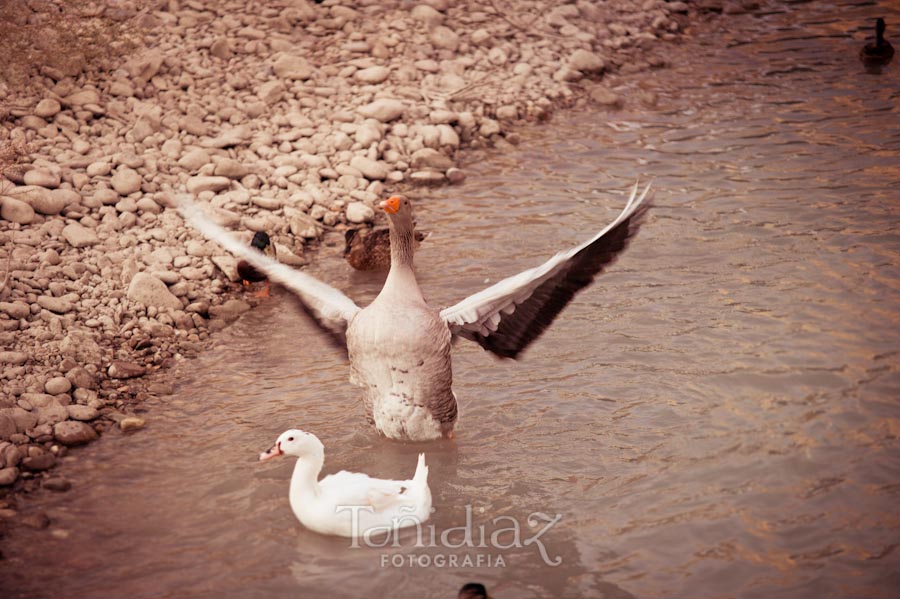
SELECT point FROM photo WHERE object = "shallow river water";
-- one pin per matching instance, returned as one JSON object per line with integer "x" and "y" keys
{"x": 716, "y": 417}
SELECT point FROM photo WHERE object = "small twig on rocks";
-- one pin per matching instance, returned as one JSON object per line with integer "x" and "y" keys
{"x": 529, "y": 27}
{"x": 460, "y": 92}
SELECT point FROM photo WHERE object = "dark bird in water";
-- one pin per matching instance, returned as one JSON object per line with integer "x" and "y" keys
{"x": 880, "y": 51}
{"x": 473, "y": 590}
{"x": 370, "y": 249}
{"x": 247, "y": 272}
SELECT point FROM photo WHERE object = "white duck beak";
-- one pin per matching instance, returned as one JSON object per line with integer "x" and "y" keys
{"x": 272, "y": 452}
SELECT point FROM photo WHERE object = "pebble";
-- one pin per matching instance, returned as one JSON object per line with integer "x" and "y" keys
{"x": 126, "y": 205}
{"x": 10, "y": 454}
{"x": 46, "y": 108}
{"x": 272, "y": 92}
{"x": 230, "y": 310}
{"x": 52, "y": 202}
{"x": 83, "y": 97}
{"x": 8, "y": 427}
{"x": 443, "y": 117}
{"x": 226, "y": 167}
{"x": 444, "y": 37}
{"x": 148, "y": 290}
{"x": 427, "y": 178}
{"x": 38, "y": 463}
{"x": 194, "y": 159}
{"x": 71, "y": 432}
{"x": 39, "y": 400}
{"x": 131, "y": 423}
{"x": 384, "y": 110}
{"x": 51, "y": 414}
{"x": 199, "y": 184}
{"x": 42, "y": 178}
{"x": 358, "y": 212}
{"x": 368, "y": 133}
{"x": 60, "y": 485}
{"x": 288, "y": 66}
{"x": 489, "y": 127}
{"x": 372, "y": 75}
{"x": 507, "y": 113}
{"x": 122, "y": 369}
{"x": 79, "y": 236}
{"x": 16, "y": 358}
{"x": 455, "y": 176}
{"x": 605, "y": 97}
{"x": 221, "y": 49}
{"x": 106, "y": 197}
{"x": 126, "y": 181}
{"x": 428, "y": 158}
{"x": 8, "y": 476}
{"x": 84, "y": 413}
{"x": 16, "y": 211}
{"x": 370, "y": 169}
{"x": 98, "y": 169}
{"x": 81, "y": 378}
{"x": 428, "y": 65}
{"x": 57, "y": 385}
{"x": 586, "y": 62}
{"x": 57, "y": 305}
{"x": 146, "y": 204}
{"x": 427, "y": 14}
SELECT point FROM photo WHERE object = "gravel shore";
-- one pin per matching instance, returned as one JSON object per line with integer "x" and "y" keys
{"x": 289, "y": 117}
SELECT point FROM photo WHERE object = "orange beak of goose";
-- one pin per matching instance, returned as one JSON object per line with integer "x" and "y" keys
{"x": 272, "y": 452}
{"x": 391, "y": 205}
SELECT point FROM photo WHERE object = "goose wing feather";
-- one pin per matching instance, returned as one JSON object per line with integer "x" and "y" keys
{"x": 329, "y": 307}
{"x": 507, "y": 316}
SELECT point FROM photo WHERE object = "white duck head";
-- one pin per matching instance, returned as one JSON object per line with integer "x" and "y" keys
{"x": 295, "y": 443}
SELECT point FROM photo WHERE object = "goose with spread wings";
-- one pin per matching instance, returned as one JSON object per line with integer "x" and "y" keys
{"x": 399, "y": 346}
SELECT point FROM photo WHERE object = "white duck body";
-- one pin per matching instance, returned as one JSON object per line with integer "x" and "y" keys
{"x": 348, "y": 504}
{"x": 399, "y": 350}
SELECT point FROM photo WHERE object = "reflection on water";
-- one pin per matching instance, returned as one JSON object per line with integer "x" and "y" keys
{"x": 717, "y": 417}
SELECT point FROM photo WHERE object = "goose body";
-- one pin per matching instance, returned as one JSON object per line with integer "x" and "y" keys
{"x": 399, "y": 346}
{"x": 399, "y": 350}
{"x": 324, "y": 506}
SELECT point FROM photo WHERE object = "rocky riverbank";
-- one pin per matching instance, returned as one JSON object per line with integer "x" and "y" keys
{"x": 289, "y": 117}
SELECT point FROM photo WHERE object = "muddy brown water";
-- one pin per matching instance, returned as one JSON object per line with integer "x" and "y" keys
{"x": 716, "y": 417}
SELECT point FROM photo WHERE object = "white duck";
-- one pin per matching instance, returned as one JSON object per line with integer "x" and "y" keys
{"x": 399, "y": 346}
{"x": 348, "y": 504}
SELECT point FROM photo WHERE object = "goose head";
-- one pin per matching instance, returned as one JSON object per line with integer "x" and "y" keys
{"x": 295, "y": 443}
{"x": 398, "y": 209}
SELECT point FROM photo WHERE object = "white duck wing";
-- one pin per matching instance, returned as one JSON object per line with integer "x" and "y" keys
{"x": 330, "y": 308}
{"x": 354, "y": 488}
{"x": 507, "y": 316}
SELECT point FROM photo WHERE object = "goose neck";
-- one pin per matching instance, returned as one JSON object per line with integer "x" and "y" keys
{"x": 401, "y": 244}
